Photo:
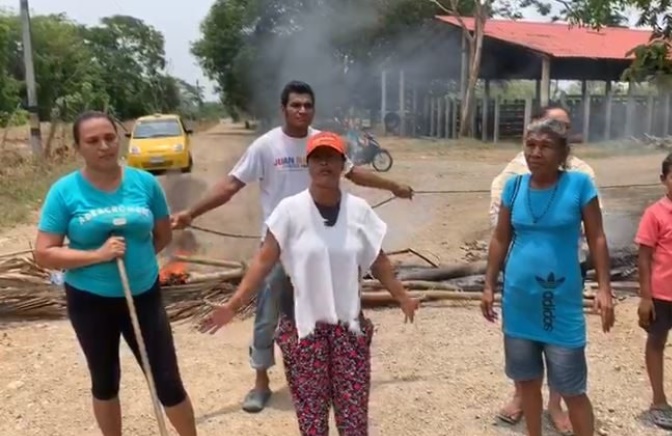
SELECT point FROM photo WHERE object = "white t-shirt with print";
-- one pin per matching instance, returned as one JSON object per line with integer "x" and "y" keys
{"x": 326, "y": 264}
{"x": 278, "y": 163}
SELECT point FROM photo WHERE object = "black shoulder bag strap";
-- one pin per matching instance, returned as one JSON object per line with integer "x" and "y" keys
{"x": 516, "y": 188}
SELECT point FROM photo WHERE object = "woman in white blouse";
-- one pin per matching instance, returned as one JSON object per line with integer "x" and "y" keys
{"x": 326, "y": 240}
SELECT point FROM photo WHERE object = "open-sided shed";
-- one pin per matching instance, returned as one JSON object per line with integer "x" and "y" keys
{"x": 518, "y": 50}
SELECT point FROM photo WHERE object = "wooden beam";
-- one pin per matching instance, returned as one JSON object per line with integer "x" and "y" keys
{"x": 402, "y": 103}
{"x": 650, "y": 104}
{"x": 464, "y": 70}
{"x": 495, "y": 134}
{"x": 446, "y": 120}
{"x": 666, "y": 114}
{"x": 608, "y": 101}
{"x": 455, "y": 116}
{"x": 383, "y": 97}
{"x": 484, "y": 113}
{"x": 432, "y": 106}
{"x": 528, "y": 114}
{"x": 630, "y": 110}
{"x": 439, "y": 112}
{"x": 585, "y": 99}
{"x": 545, "y": 80}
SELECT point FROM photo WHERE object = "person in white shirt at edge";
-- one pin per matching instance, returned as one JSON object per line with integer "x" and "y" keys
{"x": 277, "y": 161}
{"x": 512, "y": 412}
{"x": 326, "y": 240}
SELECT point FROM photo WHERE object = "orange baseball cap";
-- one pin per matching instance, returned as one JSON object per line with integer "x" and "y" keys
{"x": 326, "y": 139}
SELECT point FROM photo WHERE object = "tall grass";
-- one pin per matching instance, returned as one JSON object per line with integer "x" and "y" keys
{"x": 24, "y": 181}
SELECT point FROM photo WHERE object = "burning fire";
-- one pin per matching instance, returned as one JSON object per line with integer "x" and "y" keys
{"x": 176, "y": 272}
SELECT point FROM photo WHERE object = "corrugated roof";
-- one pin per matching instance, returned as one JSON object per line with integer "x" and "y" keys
{"x": 561, "y": 40}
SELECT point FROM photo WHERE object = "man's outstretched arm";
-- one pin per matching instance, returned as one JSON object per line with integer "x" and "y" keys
{"x": 369, "y": 179}
{"x": 219, "y": 194}
{"x": 248, "y": 169}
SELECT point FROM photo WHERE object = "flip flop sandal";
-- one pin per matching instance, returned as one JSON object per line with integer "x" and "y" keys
{"x": 557, "y": 430}
{"x": 560, "y": 432}
{"x": 510, "y": 418}
{"x": 256, "y": 400}
{"x": 662, "y": 417}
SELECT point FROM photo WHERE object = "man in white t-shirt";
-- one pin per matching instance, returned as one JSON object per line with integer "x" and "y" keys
{"x": 277, "y": 160}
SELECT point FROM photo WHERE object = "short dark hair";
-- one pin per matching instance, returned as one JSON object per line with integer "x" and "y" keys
{"x": 296, "y": 87}
{"x": 86, "y": 116}
{"x": 666, "y": 167}
{"x": 542, "y": 111}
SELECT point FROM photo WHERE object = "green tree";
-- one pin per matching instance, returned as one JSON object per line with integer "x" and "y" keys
{"x": 130, "y": 55}
{"x": 222, "y": 49}
{"x": 116, "y": 66}
{"x": 9, "y": 86}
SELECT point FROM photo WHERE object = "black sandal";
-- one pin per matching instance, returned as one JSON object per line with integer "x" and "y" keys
{"x": 662, "y": 416}
{"x": 510, "y": 418}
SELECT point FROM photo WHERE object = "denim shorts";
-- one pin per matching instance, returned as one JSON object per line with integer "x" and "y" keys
{"x": 567, "y": 370}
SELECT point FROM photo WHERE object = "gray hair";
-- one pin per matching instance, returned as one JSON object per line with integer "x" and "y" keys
{"x": 549, "y": 125}
{"x": 557, "y": 130}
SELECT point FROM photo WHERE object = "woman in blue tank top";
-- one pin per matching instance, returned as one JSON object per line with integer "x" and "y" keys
{"x": 536, "y": 241}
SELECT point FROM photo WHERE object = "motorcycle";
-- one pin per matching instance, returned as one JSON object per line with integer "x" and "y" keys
{"x": 364, "y": 149}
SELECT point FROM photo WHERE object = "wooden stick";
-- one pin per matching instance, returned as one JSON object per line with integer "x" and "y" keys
{"x": 415, "y": 284}
{"x": 412, "y": 251}
{"x": 207, "y": 261}
{"x": 446, "y": 272}
{"x": 16, "y": 253}
{"x": 218, "y": 276}
{"x": 225, "y": 234}
{"x": 143, "y": 350}
{"x": 380, "y": 298}
{"x": 617, "y": 285}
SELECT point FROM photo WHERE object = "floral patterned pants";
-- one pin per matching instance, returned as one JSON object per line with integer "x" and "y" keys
{"x": 330, "y": 366}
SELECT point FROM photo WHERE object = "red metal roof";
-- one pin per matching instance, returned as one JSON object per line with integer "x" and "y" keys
{"x": 561, "y": 40}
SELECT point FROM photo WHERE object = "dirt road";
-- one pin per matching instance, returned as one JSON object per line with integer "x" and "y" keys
{"x": 440, "y": 377}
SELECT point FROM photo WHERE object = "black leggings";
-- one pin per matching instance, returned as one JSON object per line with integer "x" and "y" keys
{"x": 99, "y": 322}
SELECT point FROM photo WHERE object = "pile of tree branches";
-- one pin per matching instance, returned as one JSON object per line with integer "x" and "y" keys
{"x": 28, "y": 291}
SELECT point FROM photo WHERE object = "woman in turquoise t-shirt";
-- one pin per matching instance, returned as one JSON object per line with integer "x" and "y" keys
{"x": 536, "y": 240}
{"x": 107, "y": 211}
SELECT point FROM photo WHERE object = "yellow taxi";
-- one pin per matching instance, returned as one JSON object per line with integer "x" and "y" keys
{"x": 160, "y": 142}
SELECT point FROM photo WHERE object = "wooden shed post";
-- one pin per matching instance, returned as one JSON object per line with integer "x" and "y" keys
{"x": 455, "y": 116}
{"x": 528, "y": 113}
{"x": 650, "y": 105}
{"x": 630, "y": 110}
{"x": 427, "y": 115}
{"x": 432, "y": 105}
{"x": 439, "y": 113}
{"x": 446, "y": 124}
{"x": 414, "y": 106}
{"x": 495, "y": 133}
{"x": 383, "y": 97}
{"x": 609, "y": 100}
{"x": 666, "y": 114}
{"x": 464, "y": 70}
{"x": 402, "y": 103}
{"x": 484, "y": 112}
{"x": 585, "y": 100}
{"x": 545, "y": 80}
